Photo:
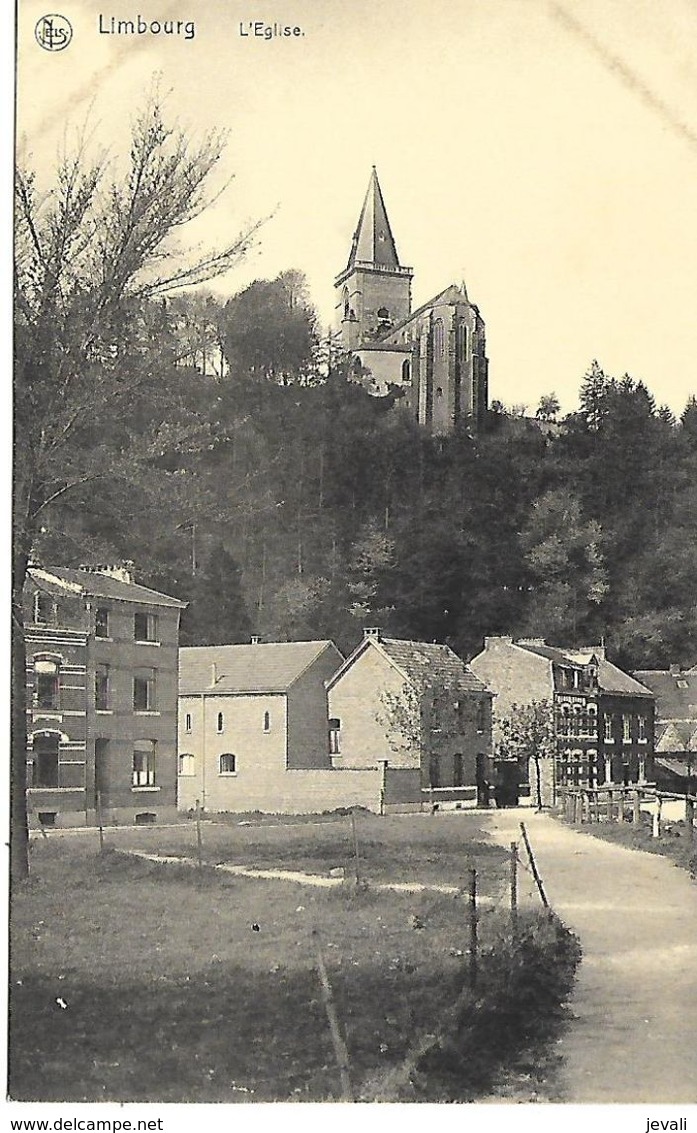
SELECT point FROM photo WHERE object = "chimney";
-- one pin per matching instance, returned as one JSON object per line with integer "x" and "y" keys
{"x": 531, "y": 641}
{"x": 372, "y": 632}
{"x": 674, "y": 670}
{"x": 120, "y": 571}
{"x": 255, "y": 639}
{"x": 497, "y": 642}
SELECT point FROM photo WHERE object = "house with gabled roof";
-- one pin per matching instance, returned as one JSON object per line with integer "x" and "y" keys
{"x": 253, "y": 731}
{"x": 101, "y": 665}
{"x": 417, "y": 708}
{"x": 603, "y": 717}
{"x": 675, "y": 690}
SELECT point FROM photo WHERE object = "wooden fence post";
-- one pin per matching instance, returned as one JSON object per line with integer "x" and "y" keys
{"x": 474, "y": 941}
{"x": 656, "y": 831}
{"x": 340, "y": 1050}
{"x": 636, "y": 808}
{"x": 608, "y": 806}
{"x": 199, "y": 840}
{"x": 100, "y": 822}
{"x": 689, "y": 818}
{"x": 533, "y": 867}
{"x": 355, "y": 847}
{"x": 514, "y": 888}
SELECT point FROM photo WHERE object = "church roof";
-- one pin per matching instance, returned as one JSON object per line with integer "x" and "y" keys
{"x": 453, "y": 293}
{"x": 373, "y": 241}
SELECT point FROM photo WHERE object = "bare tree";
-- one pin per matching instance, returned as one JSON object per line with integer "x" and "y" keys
{"x": 95, "y": 256}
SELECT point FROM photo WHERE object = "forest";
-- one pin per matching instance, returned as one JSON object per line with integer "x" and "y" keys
{"x": 294, "y": 505}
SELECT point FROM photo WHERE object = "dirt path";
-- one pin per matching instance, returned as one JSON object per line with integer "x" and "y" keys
{"x": 634, "y": 1036}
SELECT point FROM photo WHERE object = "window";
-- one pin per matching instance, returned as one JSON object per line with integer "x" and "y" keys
{"x": 458, "y": 770}
{"x": 45, "y": 761}
{"x": 641, "y": 727}
{"x": 101, "y": 622}
{"x": 220, "y": 723}
{"x": 267, "y": 721}
{"x": 228, "y": 763}
{"x": 187, "y": 764}
{"x": 101, "y": 688}
{"x": 347, "y": 305}
{"x": 434, "y": 771}
{"x": 144, "y": 687}
{"x": 187, "y": 722}
{"x": 46, "y": 684}
{"x": 335, "y": 736}
{"x": 383, "y": 314}
{"x": 626, "y": 729}
{"x": 481, "y": 717}
{"x": 406, "y": 370}
{"x": 564, "y": 721}
{"x": 439, "y": 392}
{"x": 144, "y": 763}
{"x": 145, "y": 627}
{"x": 577, "y": 722}
{"x": 461, "y": 341}
{"x": 44, "y": 607}
{"x": 438, "y": 339}
{"x": 607, "y": 733}
{"x": 682, "y": 683}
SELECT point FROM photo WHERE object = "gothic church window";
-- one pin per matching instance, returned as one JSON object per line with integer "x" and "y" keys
{"x": 438, "y": 338}
{"x": 461, "y": 341}
{"x": 406, "y": 370}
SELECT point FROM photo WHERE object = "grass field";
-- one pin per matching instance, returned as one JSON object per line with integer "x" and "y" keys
{"x": 422, "y": 848}
{"x": 139, "y": 981}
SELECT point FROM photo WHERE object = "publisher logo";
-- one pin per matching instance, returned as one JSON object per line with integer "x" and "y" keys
{"x": 53, "y": 32}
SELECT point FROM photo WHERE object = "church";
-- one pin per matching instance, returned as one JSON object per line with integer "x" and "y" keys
{"x": 435, "y": 356}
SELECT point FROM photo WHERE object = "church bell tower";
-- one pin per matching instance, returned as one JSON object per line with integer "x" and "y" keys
{"x": 374, "y": 289}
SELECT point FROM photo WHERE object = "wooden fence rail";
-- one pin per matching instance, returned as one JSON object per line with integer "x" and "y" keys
{"x": 612, "y": 802}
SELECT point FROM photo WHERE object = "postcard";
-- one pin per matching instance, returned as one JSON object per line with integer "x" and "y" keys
{"x": 354, "y": 603}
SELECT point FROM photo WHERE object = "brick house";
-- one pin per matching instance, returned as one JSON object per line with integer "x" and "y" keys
{"x": 675, "y": 690}
{"x": 253, "y": 730}
{"x": 417, "y": 708}
{"x": 603, "y": 718}
{"x": 101, "y": 697}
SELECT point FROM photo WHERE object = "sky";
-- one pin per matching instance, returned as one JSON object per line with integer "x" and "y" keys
{"x": 543, "y": 150}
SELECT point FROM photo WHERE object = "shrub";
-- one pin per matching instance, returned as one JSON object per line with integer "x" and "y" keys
{"x": 519, "y": 1002}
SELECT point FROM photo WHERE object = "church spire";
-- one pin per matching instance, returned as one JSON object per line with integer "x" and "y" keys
{"x": 373, "y": 242}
